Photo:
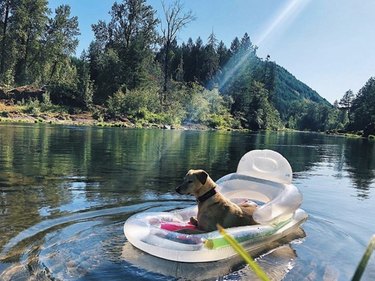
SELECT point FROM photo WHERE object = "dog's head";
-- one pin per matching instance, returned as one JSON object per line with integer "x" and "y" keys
{"x": 194, "y": 182}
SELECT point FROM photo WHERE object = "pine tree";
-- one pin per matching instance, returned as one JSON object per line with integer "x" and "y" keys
{"x": 347, "y": 100}
{"x": 210, "y": 61}
{"x": 223, "y": 54}
{"x": 235, "y": 46}
{"x": 362, "y": 110}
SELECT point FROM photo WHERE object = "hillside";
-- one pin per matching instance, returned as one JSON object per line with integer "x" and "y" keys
{"x": 289, "y": 91}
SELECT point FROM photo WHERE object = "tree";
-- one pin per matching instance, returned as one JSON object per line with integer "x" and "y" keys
{"x": 246, "y": 44}
{"x": 210, "y": 61}
{"x": 269, "y": 76}
{"x": 223, "y": 54}
{"x": 61, "y": 40}
{"x": 28, "y": 25}
{"x": 5, "y": 11}
{"x": 347, "y": 100}
{"x": 175, "y": 20}
{"x": 259, "y": 112}
{"x": 362, "y": 111}
{"x": 132, "y": 20}
{"x": 235, "y": 46}
{"x": 121, "y": 55}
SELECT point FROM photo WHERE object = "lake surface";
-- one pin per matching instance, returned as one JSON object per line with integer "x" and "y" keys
{"x": 65, "y": 193}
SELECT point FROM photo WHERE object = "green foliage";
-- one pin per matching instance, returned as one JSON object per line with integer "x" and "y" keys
{"x": 347, "y": 100}
{"x": 362, "y": 111}
{"x": 34, "y": 47}
{"x": 137, "y": 75}
{"x": 259, "y": 112}
{"x": 122, "y": 51}
{"x": 186, "y": 104}
{"x": 33, "y": 107}
{"x": 132, "y": 102}
{"x": 289, "y": 92}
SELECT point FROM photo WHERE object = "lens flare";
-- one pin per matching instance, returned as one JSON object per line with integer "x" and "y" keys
{"x": 283, "y": 17}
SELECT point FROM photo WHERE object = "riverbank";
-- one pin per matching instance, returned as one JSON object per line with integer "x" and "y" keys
{"x": 61, "y": 116}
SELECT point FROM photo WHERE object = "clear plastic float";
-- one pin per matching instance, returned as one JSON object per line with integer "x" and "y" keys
{"x": 264, "y": 177}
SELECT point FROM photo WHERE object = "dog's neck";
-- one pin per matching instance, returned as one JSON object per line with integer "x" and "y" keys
{"x": 207, "y": 195}
{"x": 207, "y": 191}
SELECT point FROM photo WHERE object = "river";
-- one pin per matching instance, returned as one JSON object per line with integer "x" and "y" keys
{"x": 65, "y": 193}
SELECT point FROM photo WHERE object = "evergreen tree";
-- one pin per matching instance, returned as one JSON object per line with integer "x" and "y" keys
{"x": 259, "y": 112}
{"x": 189, "y": 63}
{"x": 235, "y": 46}
{"x": 223, "y": 54}
{"x": 246, "y": 44}
{"x": 347, "y": 100}
{"x": 269, "y": 76}
{"x": 362, "y": 111}
{"x": 210, "y": 61}
{"x": 197, "y": 60}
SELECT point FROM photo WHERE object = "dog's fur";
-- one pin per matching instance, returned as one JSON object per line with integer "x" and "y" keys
{"x": 217, "y": 209}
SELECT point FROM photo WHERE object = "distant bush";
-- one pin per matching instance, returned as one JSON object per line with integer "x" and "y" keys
{"x": 33, "y": 107}
{"x": 185, "y": 103}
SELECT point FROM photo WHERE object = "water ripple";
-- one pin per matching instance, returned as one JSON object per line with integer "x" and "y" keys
{"x": 52, "y": 223}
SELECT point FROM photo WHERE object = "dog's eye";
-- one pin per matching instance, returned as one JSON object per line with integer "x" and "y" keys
{"x": 190, "y": 181}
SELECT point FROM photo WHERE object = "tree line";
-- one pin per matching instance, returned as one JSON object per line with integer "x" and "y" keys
{"x": 135, "y": 68}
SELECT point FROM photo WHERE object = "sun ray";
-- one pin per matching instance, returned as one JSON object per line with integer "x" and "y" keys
{"x": 285, "y": 15}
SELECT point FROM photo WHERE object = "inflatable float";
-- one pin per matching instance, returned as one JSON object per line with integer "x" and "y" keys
{"x": 264, "y": 177}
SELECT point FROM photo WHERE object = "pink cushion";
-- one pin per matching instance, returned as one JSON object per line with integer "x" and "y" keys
{"x": 175, "y": 226}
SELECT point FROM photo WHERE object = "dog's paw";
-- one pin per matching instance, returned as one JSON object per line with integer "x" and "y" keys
{"x": 194, "y": 221}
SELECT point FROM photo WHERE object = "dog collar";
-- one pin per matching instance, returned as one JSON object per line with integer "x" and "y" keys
{"x": 207, "y": 195}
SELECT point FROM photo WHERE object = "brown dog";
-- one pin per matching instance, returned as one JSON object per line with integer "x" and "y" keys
{"x": 213, "y": 207}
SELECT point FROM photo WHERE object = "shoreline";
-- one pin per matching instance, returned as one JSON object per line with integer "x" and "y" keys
{"x": 87, "y": 119}
{"x": 14, "y": 114}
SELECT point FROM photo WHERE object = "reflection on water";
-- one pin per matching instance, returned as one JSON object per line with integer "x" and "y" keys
{"x": 65, "y": 193}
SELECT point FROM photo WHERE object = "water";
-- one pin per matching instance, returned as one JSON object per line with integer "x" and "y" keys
{"x": 65, "y": 193}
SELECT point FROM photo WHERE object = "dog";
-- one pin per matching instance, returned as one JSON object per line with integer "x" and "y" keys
{"x": 213, "y": 207}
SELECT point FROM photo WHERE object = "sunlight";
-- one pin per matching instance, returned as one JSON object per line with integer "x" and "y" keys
{"x": 284, "y": 16}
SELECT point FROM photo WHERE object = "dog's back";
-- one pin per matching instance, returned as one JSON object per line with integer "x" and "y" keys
{"x": 220, "y": 210}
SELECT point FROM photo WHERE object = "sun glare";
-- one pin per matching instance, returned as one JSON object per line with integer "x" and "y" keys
{"x": 282, "y": 18}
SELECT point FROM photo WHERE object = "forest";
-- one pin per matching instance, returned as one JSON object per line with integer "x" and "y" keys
{"x": 135, "y": 69}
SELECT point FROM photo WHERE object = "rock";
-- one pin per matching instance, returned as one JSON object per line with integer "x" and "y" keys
{"x": 23, "y": 93}
{"x": 167, "y": 127}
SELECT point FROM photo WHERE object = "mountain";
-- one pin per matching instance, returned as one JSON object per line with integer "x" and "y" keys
{"x": 289, "y": 91}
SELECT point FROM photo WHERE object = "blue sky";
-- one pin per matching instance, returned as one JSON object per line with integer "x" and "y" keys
{"x": 327, "y": 44}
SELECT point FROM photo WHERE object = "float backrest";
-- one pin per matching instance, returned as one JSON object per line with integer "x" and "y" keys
{"x": 266, "y": 164}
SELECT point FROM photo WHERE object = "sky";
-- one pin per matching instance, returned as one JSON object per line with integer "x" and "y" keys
{"x": 327, "y": 44}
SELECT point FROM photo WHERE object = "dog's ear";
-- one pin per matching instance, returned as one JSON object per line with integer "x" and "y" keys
{"x": 202, "y": 176}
